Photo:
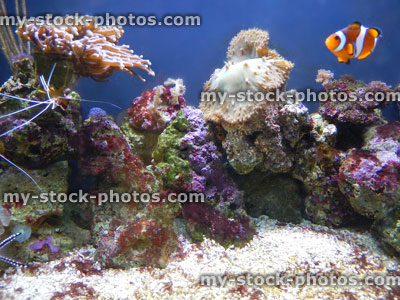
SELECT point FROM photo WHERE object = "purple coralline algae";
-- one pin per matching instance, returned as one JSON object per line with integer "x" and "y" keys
{"x": 211, "y": 178}
{"x": 205, "y": 159}
{"x": 185, "y": 150}
{"x": 370, "y": 177}
{"x": 352, "y": 101}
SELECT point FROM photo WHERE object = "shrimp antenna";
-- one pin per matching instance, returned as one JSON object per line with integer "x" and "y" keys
{"x": 23, "y": 171}
{"x": 92, "y": 101}
{"x": 20, "y": 99}
{"x": 27, "y": 122}
{"x": 46, "y": 84}
{"x": 21, "y": 110}
{"x": 51, "y": 74}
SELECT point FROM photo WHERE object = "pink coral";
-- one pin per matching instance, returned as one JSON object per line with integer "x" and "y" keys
{"x": 155, "y": 109}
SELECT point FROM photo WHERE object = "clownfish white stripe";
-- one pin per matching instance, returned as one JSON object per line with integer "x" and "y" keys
{"x": 373, "y": 48}
{"x": 360, "y": 41}
{"x": 343, "y": 40}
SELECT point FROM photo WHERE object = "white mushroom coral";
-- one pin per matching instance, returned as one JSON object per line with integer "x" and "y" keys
{"x": 251, "y": 67}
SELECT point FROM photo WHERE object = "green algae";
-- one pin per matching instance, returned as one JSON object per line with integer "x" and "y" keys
{"x": 174, "y": 169}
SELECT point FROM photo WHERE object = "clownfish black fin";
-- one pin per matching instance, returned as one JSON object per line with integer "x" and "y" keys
{"x": 356, "y": 23}
{"x": 341, "y": 60}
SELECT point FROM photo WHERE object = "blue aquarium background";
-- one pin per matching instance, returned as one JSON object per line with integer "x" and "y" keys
{"x": 297, "y": 29}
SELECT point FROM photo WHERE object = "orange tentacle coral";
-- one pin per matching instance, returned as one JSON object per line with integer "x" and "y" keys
{"x": 93, "y": 50}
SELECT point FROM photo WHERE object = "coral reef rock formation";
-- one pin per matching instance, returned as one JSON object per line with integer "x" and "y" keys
{"x": 106, "y": 154}
{"x": 317, "y": 164}
{"x": 264, "y": 195}
{"x": 354, "y": 102}
{"x": 47, "y": 138}
{"x": 370, "y": 177}
{"x": 386, "y": 230}
{"x": 267, "y": 143}
{"x": 257, "y": 133}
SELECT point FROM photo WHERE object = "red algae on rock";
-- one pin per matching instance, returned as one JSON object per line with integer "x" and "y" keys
{"x": 208, "y": 220}
{"x": 106, "y": 154}
{"x": 155, "y": 109}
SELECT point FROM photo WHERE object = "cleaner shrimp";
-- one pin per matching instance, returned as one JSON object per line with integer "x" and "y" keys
{"x": 51, "y": 102}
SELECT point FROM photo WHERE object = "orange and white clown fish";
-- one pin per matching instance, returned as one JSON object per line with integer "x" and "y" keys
{"x": 354, "y": 41}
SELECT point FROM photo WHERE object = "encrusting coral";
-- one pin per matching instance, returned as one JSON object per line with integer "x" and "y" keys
{"x": 93, "y": 49}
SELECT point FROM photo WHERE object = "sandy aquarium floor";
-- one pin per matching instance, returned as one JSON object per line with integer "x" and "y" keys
{"x": 282, "y": 249}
